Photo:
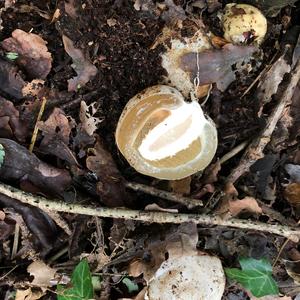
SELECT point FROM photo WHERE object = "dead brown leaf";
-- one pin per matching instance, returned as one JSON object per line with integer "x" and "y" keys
{"x": 33, "y": 53}
{"x": 84, "y": 68}
{"x": 172, "y": 12}
{"x": 86, "y": 116}
{"x": 42, "y": 274}
{"x": 248, "y": 204}
{"x": 270, "y": 81}
{"x": 10, "y": 123}
{"x": 110, "y": 187}
{"x": 70, "y": 8}
{"x": 292, "y": 195}
{"x": 57, "y": 125}
{"x": 182, "y": 186}
{"x": 215, "y": 66}
{"x": 28, "y": 294}
{"x": 11, "y": 81}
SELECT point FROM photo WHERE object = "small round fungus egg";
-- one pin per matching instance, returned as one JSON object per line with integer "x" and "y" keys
{"x": 243, "y": 22}
{"x": 163, "y": 136}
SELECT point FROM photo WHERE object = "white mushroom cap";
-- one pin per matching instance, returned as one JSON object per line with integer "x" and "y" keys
{"x": 188, "y": 277}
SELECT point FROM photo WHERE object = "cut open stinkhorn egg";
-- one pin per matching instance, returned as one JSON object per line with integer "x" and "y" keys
{"x": 163, "y": 136}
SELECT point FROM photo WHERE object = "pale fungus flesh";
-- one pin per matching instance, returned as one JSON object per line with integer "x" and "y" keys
{"x": 189, "y": 277}
{"x": 242, "y": 23}
{"x": 179, "y": 78}
{"x": 165, "y": 137}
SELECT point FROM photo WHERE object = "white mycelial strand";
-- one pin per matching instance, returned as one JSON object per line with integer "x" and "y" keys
{"x": 176, "y": 143}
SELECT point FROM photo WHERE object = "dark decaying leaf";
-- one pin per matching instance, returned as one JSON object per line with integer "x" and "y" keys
{"x": 85, "y": 69}
{"x": 215, "y": 66}
{"x": 56, "y": 131}
{"x": 10, "y": 80}
{"x": 110, "y": 187}
{"x": 10, "y": 123}
{"x": 21, "y": 165}
{"x": 39, "y": 223}
{"x": 7, "y": 226}
{"x": 32, "y": 51}
{"x": 271, "y": 80}
{"x": 172, "y": 12}
{"x": 293, "y": 171}
{"x": 271, "y": 7}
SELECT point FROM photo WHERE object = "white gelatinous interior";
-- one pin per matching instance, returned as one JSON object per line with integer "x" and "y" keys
{"x": 175, "y": 133}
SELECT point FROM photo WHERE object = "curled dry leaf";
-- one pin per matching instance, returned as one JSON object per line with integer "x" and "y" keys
{"x": 215, "y": 66}
{"x": 85, "y": 69}
{"x": 42, "y": 273}
{"x": 86, "y": 115}
{"x": 110, "y": 187}
{"x": 41, "y": 226}
{"x": 11, "y": 81}
{"x": 10, "y": 123}
{"x": 33, "y": 53}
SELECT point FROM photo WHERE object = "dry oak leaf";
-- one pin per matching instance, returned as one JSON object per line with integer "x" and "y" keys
{"x": 33, "y": 53}
{"x": 28, "y": 294}
{"x": 42, "y": 273}
{"x": 84, "y": 68}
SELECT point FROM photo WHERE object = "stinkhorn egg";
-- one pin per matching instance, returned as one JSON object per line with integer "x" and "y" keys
{"x": 242, "y": 23}
{"x": 163, "y": 136}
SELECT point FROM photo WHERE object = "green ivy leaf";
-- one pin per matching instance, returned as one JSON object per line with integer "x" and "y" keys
{"x": 256, "y": 276}
{"x": 82, "y": 288}
{"x": 2, "y": 155}
{"x": 131, "y": 286}
{"x": 12, "y": 55}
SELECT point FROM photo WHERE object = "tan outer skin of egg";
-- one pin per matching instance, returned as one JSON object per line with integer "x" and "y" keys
{"x": 165, "y": 137}
{"x": 239, "y": 19}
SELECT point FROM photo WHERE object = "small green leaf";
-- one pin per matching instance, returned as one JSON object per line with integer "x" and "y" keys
{"x": 2, "y": 154}
{"x": 131, "y": 286}
{"x": 256, "y": 276}
{"x": 12, "y": 55}
{"x": 82, "y": 288}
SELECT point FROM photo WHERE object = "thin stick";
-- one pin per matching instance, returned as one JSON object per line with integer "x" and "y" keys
{"x": 233, "y": 152}
{"x": 255, "y": 149}
{"x": 174, "y": 197}
{"x": 147, "y": 216}
{"x": 36, "y": 128}
{"x": 16, "y": 241}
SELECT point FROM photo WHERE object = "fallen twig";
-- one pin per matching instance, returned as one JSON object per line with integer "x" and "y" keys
{"x": 174, "y": 197}
{"x": 36, "y": 128}
{"x": 147, "y": 216}
{"x": 254, "y": 151}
